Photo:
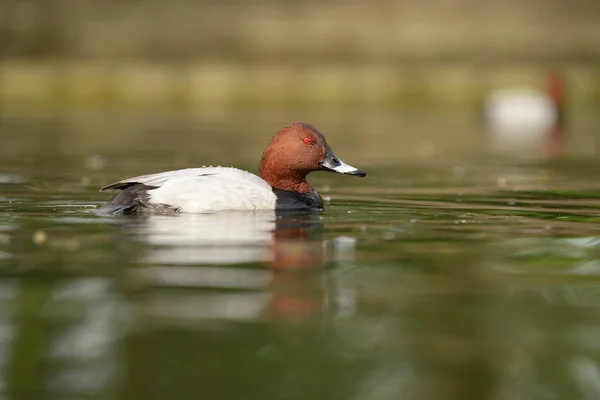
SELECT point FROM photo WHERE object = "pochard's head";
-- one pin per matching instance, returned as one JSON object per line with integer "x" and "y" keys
{"x": 294, "y": 152}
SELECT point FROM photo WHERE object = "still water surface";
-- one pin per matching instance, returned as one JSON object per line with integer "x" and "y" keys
{"x": 447, "y": 273}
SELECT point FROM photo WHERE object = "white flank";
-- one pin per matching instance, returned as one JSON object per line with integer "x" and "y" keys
{"x": 209, "y": 189}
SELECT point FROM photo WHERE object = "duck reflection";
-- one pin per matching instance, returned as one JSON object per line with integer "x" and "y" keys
{"x": 209, "y": 239}
{"x": 244, "y": 266}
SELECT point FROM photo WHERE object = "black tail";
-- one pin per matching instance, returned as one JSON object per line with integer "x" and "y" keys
{"x": 128, "y": 201}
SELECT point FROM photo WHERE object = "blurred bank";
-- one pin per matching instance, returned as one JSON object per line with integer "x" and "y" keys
{"x": 188, "y": 55}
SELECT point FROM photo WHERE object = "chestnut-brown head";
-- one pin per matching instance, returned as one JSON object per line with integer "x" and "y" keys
{"x": 294, "y": 152}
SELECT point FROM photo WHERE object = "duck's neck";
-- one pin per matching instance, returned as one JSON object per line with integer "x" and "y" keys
{"x": 556, "y": 91}
{"x": 291, "y": 183}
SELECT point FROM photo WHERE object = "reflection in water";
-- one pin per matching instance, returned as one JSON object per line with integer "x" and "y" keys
{"x": 8, "y": 292}
{"x": 84, "y": 351}
{"x": 60, "y": 339}
{"x": 275, "y": 240}
{"x": 220, "y": 238}
{"x": 216, "y": 251}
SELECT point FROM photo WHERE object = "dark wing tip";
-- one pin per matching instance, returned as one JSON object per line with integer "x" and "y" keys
{"x": 132, "y": 196}
{"x": 118, "y": 186}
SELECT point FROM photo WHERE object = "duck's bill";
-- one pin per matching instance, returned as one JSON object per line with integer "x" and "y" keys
{"x": 333, "y": 164}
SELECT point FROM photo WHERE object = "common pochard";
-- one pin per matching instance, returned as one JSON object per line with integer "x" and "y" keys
{"x": 295, "y": 151}
{"x": 526, "y": 119}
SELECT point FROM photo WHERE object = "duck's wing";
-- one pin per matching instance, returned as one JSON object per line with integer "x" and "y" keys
{"x": 134, "y": 192}
{"x": 191, "y": 190}
{"x": 157, "y": 180}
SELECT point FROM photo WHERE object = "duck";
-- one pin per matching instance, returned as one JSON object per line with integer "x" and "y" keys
{"x": 522, "y": 119}
{"x": 293, "y": 152}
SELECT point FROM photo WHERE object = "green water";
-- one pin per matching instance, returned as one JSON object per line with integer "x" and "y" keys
{"x": 449, "y": 272}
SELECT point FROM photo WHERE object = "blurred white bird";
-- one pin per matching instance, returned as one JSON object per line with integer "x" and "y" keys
{"x": 527, "y": 119}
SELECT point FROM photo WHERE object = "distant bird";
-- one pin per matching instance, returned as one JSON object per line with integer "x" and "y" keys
{"x": 524, "y": 119}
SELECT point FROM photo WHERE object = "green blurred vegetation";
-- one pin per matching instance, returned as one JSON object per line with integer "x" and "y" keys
{"x": 186, "y": 54}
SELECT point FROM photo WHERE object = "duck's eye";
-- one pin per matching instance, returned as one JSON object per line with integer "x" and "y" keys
{"x": 307, "y": 140}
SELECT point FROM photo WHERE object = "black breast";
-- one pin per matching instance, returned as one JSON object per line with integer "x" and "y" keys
{"x": 298, "y": 201}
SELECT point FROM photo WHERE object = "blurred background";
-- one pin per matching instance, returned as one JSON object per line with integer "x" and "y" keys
{"x": 466, "y": 264}
{"x": 265, "y": 53}
{"x": 281, "y": 61}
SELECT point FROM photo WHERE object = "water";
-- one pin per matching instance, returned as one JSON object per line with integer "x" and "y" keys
{"x": 449, "y": 272}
